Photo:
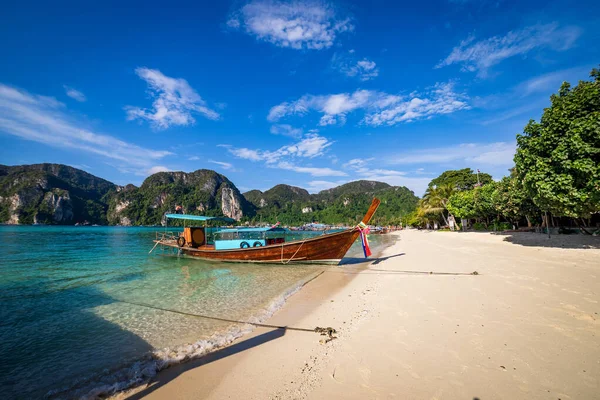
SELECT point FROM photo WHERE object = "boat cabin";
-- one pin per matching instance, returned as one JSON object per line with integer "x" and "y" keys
{"x": 241, "y": 238}
{"x": 219, "y": 238}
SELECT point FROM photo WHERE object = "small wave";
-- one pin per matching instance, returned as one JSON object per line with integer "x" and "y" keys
{"x": 148, "y": 366}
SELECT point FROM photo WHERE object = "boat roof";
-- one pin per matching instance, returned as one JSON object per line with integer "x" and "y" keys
{"x": 267, "y": 229}
{"x": 199, "y": 217}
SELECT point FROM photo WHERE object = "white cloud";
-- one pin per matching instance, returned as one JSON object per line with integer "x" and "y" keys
{"x": 193, "y": 158}
{"x": 286, "y": 130}
{"x": 492, "y": 154}
{"x": 481, "y": 55}
{"x": 381, "y": 108}
{"x": 42, "y": 119}
{"x": 348, "y": 65}
{"x": 248, "y": 154}
{"x": 224, "y": 165}
{"x": 441, "y": 99}
{"x": 299, "y": 24}
{"x": 550, "y": 82}
{"x": 74, "y": 94}
{"x": 157, "y": 168}
{"x": 314, "y": 171}
{"x": 175, "y": 101}
{"x": 310, "y": 146}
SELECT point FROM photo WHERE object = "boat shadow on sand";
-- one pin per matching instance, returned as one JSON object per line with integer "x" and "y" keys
{"x": 366, "y": 261}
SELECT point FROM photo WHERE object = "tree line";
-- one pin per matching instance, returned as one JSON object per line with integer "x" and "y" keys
{"x": 555, "y": 180}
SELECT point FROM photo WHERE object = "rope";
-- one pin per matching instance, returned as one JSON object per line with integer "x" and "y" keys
{"x": 154, "y": 247}
{"x": 297, "y": 250}
{"x": 291, "y": 328}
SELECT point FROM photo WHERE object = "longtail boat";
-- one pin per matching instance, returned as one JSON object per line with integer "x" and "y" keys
{"x": 264, "y": 245}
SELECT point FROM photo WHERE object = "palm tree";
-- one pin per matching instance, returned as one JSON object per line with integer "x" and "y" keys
{"x": 435, "y": 200}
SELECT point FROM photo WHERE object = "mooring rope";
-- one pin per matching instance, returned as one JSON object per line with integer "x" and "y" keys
{"x": 211, "y": 317}
{"x": 297, "y": 250}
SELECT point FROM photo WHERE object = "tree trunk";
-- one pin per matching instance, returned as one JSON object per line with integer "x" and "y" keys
{"x": 528, "y": 221}
{"x": 445, "y": 220}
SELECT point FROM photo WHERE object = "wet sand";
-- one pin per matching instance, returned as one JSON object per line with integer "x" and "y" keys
{"x": 416, "y": 323}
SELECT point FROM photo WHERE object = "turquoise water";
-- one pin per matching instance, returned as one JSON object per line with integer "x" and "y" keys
{"x": 67, "y": 324}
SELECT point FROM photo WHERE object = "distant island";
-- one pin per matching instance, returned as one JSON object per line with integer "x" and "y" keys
{"x": 64, "y": 195}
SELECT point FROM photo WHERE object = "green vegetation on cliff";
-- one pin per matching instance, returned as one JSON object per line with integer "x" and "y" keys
{"x": 59, "y": 194}
{"x": 52, "y": 194}
{"x": 202, "y": 192}
{"x": 343, "y": 204}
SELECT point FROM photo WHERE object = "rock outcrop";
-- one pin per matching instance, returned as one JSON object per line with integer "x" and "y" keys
{"x": 202, "y": 191}
{"x": 52, "y": 194}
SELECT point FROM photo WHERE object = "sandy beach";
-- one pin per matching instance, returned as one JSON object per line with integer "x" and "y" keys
{"x": 416, "y": 323}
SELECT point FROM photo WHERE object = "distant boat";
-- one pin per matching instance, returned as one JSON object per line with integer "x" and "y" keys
{"x": 261, "y": 245}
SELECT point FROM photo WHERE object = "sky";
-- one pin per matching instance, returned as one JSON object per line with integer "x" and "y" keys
{"x": 307, "y": 93}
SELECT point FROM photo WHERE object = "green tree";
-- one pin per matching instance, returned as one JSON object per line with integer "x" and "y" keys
{"x": 462, "y": 204}
{"x": 460, "y": 179}
{"x": 512, "y": 201}
{"x": 435, "y": 201}
{"x": 558, "y": 159}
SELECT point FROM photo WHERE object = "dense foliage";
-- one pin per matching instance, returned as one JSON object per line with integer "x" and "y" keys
{"x": 557, "y": 172}
{"x": 460, "y": 179}
{"x": 345, "y": 204}
{"x": 558, "y": 159}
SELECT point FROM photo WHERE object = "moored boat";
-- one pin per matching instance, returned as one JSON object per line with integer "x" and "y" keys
{"x": 263, "y": 245}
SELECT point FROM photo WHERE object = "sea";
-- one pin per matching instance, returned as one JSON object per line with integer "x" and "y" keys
{"x": 86, "y": 310}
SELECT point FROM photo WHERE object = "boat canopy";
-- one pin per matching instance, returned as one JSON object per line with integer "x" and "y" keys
{"x": 199, "y": 217}
{"x": 272, "y": 229}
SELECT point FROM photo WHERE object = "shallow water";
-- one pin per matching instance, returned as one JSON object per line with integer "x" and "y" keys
{"x": 66, "y": 318}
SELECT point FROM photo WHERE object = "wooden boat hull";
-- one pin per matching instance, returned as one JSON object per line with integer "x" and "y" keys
{"x": 324, "y": 249}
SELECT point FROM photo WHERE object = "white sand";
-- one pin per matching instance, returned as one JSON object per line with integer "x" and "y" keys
{"x": 526, "y": 327}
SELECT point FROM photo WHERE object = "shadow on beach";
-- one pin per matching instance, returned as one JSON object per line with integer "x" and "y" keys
{"x": 366, "y": 261}
{"x": 57, "y": 325}
{"x": 574, "y": 241}
{"x": 173, "y": 372}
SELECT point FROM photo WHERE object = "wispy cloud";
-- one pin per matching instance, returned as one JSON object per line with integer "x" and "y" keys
{"x": 286, "y": 130}
{"x": 157, "y": 168}
{"x": 175, "y": 101}
{"x": 349, "y": 65}
{"x": 74, "y": 94}
{"x": 381, "y": 108}
{"x": 314, "y": 171}
{"x": 224, "y": 165}
{"x": 550, "y": 82}
{"x": 310, "y": 146}
{"x": 480, "y": 55}
{"x": 193, "y": 158}
{"x": 45, "y": 120}
{"x": 300, "y": 24}
{"x": 492, "y": 154}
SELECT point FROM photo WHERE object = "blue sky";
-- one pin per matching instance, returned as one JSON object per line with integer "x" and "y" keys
{"x": 308, "y": 93}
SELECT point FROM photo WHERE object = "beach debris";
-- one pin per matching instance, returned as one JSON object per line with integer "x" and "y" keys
{"x": 329, "y": 331}
{"x": 474, "y": 273}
